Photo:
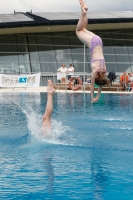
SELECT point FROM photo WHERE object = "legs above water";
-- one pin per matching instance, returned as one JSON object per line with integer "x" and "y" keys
{"x": 83, "y": 34}
{"x": 46, "y": 121}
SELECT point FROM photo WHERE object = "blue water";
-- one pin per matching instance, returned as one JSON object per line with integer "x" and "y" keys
{"x": 89, "y": 154}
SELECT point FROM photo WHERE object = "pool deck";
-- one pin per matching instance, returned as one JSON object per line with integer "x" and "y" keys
{"x": 44, "y": 89}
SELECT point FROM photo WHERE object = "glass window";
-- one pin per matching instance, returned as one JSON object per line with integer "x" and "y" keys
{"x": 61, "y": 42}
{"x": 78, "y": 62}
{"x": 46, "y": 52}
{"x": 76, "y": 45}
{"x": 9, "y": 67}
{"x": 107, "y": 41}
{"x": 120, "y": 47}
{"x": 131, "y": 58}
{"x": 45, "y": 48}
{"x": 124, "y": 67}
{"x": 22, "y": 48}
{"x": 79, "y": 67}
{"x": 44, "y": 38}
{"x": 33, "y": 53}
{"x": 131, "y": 67}
{"x": 9, "y": 57}
{"x": 45, "y": 43}
{"x": 121, "y": 50}
{"x": 77, "y": 49}
{"x": 31, "y": 38}
{"x": 78, "y": 57}
{"x": 110, "y": 58}
{"x": 88, "y": 58}
{"x": 47, "y": 57}
{"x": 108, "y": 50}
{"x": 24, "y": 67}
{"x": 129, "y": 33}
{"x": 130, "y": 48}
{"x": 63, "y": 58}
{"x": 48, "y": 67}
{"x": 104, "y": 34}
{"x": 87, "y": 51}
{"x": 129, "y": 40}
{"x": 118, "y": 34}
{"x": 21, "y": 39}
{"x": 62, "y": 49}
{"x": 119, "y": 42}
{"x": 108, "y": 46}
{"x": 23, "y": 55}
{"x": 122, "y": 58}
{"x": 8, "y": 39}
{"x": 111, "y": 67}
{"x": 8, "y": 53}
{"x": 8, "y": 48}
{"x": 35, "y": 67}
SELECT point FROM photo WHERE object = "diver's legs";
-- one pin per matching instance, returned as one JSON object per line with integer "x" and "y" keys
{"x": 46, "y": 121}
{"x": 83, "y": 21}
{"x": 81, "y": 31}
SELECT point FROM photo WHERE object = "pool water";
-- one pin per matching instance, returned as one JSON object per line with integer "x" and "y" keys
{"x": 89, "y": 154}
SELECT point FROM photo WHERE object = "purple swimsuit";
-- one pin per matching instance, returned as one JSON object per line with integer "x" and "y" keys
{"x": 96, "y": 41}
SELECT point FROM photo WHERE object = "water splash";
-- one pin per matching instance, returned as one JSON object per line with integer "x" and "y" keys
{"x": 34, "y": 123}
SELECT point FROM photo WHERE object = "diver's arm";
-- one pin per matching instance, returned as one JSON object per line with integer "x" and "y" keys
{"x": 93, "y": 76}
{"x": 99, "y": 92}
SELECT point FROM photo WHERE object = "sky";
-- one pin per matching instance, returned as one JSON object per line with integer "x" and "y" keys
{"x": 8, "y": 6}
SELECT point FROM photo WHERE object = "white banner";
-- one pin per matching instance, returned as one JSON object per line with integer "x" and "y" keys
{"x": 20, "y": 80}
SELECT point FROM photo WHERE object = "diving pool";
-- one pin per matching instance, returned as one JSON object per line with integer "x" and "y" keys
{"x": 89, "y": 155}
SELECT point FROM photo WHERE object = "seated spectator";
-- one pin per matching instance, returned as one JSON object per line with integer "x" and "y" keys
{"x": 124, "y": 80}
{"x": 70, "y": 71}
{"x": 130, "y": 77}
{"x": 128, "y": 88}
{"x": 131, "y": 85}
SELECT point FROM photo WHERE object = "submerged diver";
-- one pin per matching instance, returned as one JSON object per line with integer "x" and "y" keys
{"x": 94, "y": 42}
{"x": 46, "y": 121}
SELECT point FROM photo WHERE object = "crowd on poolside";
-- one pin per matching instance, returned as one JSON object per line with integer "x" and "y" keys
{"x": 63, "y": 71}
{"x": 126, "y": 81}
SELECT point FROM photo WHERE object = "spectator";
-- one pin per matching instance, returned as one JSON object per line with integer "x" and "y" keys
{"x": 130, "y": 77}
{"x": 131, "y": 85}
{"x": 63, "y": 70}
{"x": 70, "y": 71}
{"x": 124, "y": 80}
{"x": 111, "y": 77}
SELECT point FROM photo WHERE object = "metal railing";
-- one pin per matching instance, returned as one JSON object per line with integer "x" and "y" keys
{"x": 85, "y": 77}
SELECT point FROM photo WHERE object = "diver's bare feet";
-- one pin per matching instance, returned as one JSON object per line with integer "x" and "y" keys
{"x": 50, "y": 88}
{"x": 83, "y": 7}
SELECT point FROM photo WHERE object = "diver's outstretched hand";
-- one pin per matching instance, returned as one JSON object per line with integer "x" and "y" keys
{"x": 94, "y": 100}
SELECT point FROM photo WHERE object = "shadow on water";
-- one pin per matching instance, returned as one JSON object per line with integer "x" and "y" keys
{"x": 50, "y": 171}
{"x": 100, "y": 172}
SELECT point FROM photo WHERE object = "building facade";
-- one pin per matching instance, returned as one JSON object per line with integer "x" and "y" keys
{"x": 33, "y": 43}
